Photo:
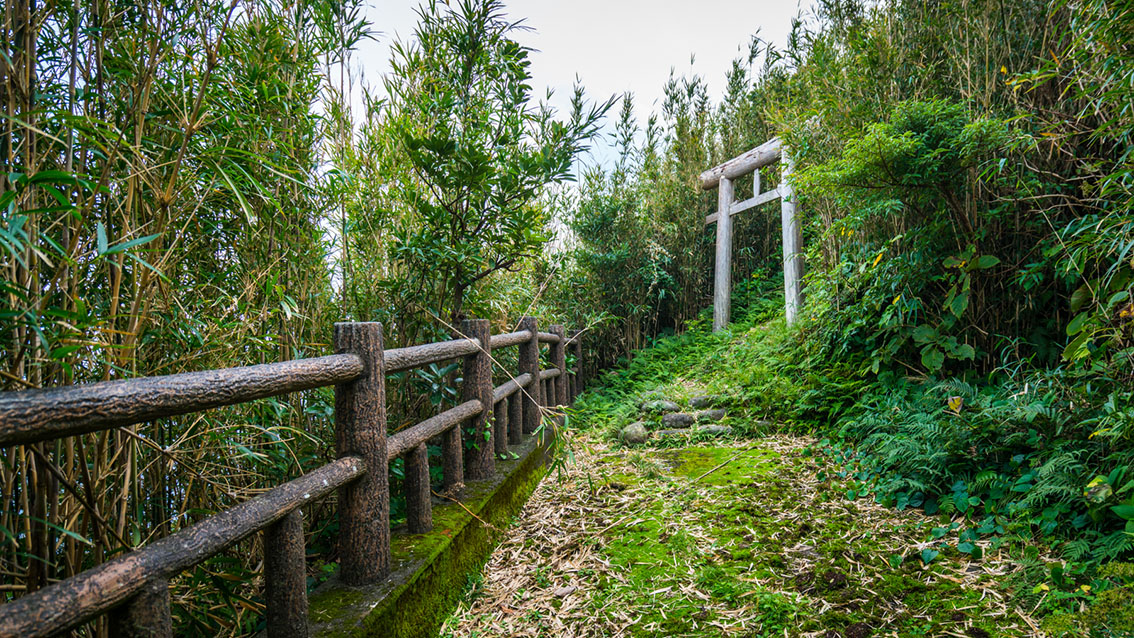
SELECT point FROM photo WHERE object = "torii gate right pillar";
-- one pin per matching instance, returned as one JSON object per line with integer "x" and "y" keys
{"x": 793, "y": 243}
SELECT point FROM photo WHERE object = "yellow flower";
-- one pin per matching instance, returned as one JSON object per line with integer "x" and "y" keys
{"x": 955, "y": 403}
{"x": 1085, "y": 588}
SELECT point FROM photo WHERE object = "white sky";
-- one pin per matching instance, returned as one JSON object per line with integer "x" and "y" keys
{"x": 612, "y": 46}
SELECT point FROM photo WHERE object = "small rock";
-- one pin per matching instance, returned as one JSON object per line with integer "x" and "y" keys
{"x": 715, "y": 430}
{"x": 664, "y": 433}
{"x": 807, "y": 551}
{"x": 709, "y": 415}
{"x": 561, "y": 592}
{"x": 704, "y": 401}
{"x": 635, "y": 433}
{"x": 761, "y": 424}
{"x": 677, "y": 420}
{"x": 660, "y": 405}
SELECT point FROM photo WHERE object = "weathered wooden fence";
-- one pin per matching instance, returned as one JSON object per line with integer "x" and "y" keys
{"x": 722, "y": 177}
{"x": 134, "y": 588}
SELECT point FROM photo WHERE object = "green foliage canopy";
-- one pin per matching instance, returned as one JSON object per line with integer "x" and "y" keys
{"x": 479, "y": 151}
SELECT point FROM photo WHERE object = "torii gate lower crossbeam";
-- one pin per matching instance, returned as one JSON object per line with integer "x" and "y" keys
{"x": 722, "y": 177}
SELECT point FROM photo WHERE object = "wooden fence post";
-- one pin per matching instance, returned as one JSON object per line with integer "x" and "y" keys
{"x": 478, "y": 385}
{"x": 453, "y": 458}
{"x": 793, "y": 242}
{"x": 571, "y": 380}
{"x": 285, "y": 578}
{"x": 577, "y": 345}
{"x": 146, "y": 615}
{"x": 516, "y": 418}
{"x": 529, "y": 363}
{"x": 500, "y": 427}
{"x": 722, "y": 277}
{"x": 419, "y": 505}
{"x": 559, "y": 360}
{"x": 360, "y": 430}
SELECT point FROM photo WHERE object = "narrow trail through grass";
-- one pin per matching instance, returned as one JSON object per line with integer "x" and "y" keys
{"x": 727, "y": 537}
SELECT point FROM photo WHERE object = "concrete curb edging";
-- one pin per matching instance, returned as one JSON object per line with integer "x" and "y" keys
{"x": 429, "y": 571}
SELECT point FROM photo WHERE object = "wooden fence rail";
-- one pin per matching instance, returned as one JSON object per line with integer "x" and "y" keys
{"x": 133, "y": 589}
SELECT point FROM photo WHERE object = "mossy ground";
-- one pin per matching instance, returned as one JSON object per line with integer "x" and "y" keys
{"x": 723, "y": 538}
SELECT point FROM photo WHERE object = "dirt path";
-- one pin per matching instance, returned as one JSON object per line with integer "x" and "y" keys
{"x": 733, "y": 539}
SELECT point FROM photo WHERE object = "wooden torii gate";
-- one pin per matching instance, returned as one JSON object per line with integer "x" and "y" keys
{"x": 722, "y": 178}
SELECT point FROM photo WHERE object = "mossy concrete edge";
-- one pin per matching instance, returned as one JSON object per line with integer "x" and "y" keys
{"x": 429, "y": 571}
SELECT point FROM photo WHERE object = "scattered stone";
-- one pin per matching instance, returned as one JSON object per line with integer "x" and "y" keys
{"x": 563, "y": 592}
{"x": 665, "y": 433}
{"x": 677, "y": 420}
{"x": 708, "y": 415}
{"x": 806, "y": 551}
{"x": 715, "y": 430}
{"x": 635, "y": 433}
{"x": 704, "y": 401}
{"x": 660, "y": 405}
{"x": 761, "y": 424}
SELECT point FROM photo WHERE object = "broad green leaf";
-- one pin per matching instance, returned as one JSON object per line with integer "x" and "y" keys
{"x": 1076, "y": 324}
{"x": 959, "y": 304}
{"x": 983, "y": 262}
{"x": 924, "y": 333}
{"x": 1077, "y": 348}
{"x": 932, "y": 359}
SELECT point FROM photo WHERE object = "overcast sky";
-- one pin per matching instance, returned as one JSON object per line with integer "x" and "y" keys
{"x": 612, "y": 46}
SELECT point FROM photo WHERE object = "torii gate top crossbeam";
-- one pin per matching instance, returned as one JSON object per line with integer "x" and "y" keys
{"x": 743, "y": 164}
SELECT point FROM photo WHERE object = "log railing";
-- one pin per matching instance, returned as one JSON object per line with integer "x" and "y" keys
{"x": 133, "y": 589}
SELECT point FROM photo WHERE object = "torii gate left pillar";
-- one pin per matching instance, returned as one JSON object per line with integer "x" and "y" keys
{"x": 722, "y": 178}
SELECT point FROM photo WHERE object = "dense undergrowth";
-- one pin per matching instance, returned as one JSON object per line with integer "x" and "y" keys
{"x": 1009, "y": 458}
